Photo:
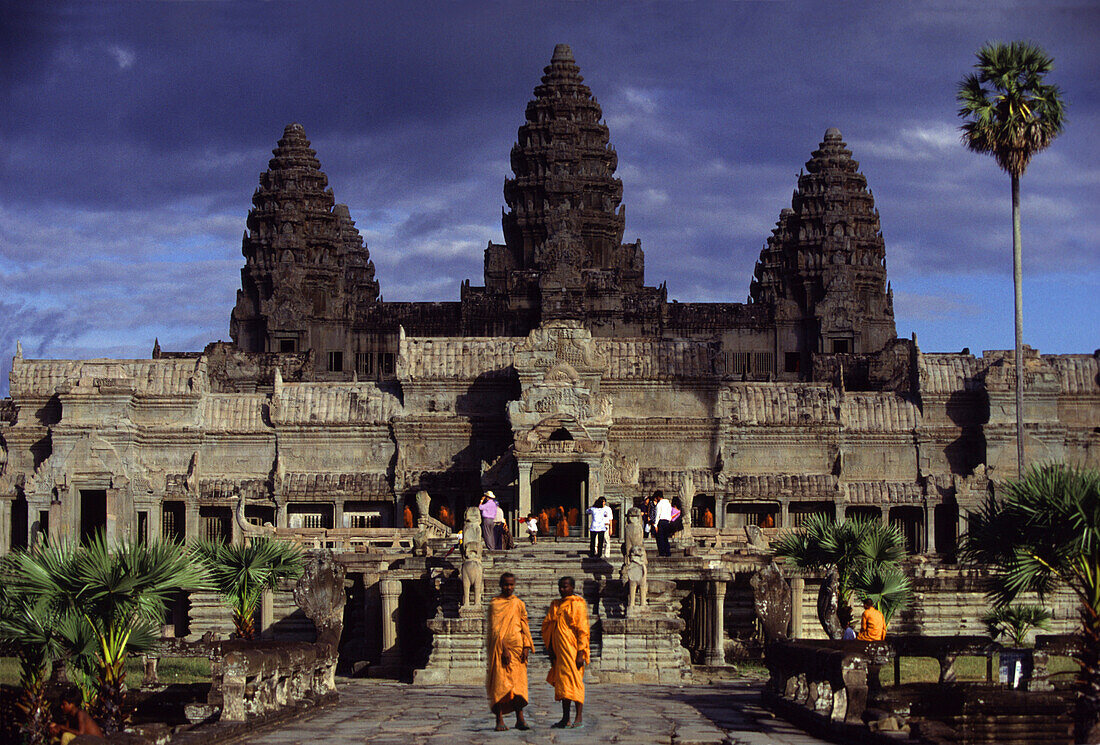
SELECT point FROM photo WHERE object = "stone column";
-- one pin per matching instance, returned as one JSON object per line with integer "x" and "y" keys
{"x": 929, "y": 529}
{"x": 191, "y": 518}
{"x": 784, "y": 513}
{"x": 391, "y": 594}
{"x": 55, "y": 519}
{"x": 338, "y": 514}
{"x": 716, "y": 597}
{"x": 280, "y": 514}
{"x": 5, "y": 525}
{"x": 524, "y": 499}
{"x": 798, "y": 587}
{"x": 117, "y": 526}
{"x": 267, "y": 610}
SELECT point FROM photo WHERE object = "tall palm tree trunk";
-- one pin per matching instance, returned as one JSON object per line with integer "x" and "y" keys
{"x": 1017, "y": 285}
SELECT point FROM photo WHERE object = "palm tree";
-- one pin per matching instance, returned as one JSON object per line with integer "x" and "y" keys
{"x": 105, "y": 602}
{"x": 1043, "y": 532}
{"x": 1016, "y": 620}
{"x": 242, "y": 572}
{"x": 865, "y": 553}
{"x": 1011, "y": 114}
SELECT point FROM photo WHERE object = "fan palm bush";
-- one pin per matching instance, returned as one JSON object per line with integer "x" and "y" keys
{"x": 1010, "y": 113}
{"x": 866, "y": 554}
{"x": 1041, "y": 532}
{"x": 102, "y": 603}
{"x": 1015, "y": 621}
{"x": 242, "y": 572}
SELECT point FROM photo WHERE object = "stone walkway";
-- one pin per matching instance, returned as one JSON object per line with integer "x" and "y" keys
{"x": 388, "y": 713}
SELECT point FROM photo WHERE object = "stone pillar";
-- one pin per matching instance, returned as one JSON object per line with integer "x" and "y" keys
{"x": 191, "y": 518}
{"x": 593, "y": 490}
{"x": 524, "y": 498}
{"x": 117, "y": 527}
{"x": 798, "y": 588}
{"x": 391, "y": 594}
{"x": 338, "y": 514}
{"x": 784, "y": 513}
{"x": 5, "y": 525}
{"x": 719, "y": 511}
{"x": 716, "y": 597}
{"x": 280, "y": 514}
{"x": 267, "y": 610}
{"x": 929, "y": 529}
{"x": 55, "y": 519}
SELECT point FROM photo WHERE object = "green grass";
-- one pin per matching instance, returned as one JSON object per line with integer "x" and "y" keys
{"x": 169, "y": 670}
{"x": 927, "y": 670}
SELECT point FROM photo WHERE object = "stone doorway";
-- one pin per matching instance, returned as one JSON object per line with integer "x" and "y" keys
{"x": 93, "y": 513}
{"x": 562, "y": 485}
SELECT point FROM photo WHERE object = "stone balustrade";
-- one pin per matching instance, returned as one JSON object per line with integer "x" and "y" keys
{"x": 255, "y": 678}
{"x": 830, "y": 679}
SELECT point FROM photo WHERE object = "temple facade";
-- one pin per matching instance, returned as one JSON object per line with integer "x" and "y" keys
{"x": 564, "y": 377}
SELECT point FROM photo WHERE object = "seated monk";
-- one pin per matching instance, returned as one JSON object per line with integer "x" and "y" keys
{"x": 872, "y": 626}
{"x": 507, "y": 645}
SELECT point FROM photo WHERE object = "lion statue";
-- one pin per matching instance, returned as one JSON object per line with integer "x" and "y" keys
{"x": 634, "y": 575}
{"x": 470, "y": 572}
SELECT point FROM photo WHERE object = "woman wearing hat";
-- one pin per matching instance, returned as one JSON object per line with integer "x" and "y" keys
{"x": 489, "y": 510}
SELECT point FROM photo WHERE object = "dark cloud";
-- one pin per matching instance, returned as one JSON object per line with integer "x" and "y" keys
{"x": 132, "y": 135}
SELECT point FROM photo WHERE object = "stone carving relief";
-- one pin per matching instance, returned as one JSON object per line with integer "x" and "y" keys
{"x": 772, "y": 601}
{"x": 621, "y": 469}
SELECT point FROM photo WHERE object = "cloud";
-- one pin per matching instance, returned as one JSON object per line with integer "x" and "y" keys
{"x": 124, "y": 57}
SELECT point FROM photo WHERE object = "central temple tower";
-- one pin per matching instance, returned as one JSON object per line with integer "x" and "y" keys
{"x": 563, "y": 255}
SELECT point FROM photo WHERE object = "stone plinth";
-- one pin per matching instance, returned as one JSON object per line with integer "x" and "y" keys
{"x": 644, "y": 648}
{"x": 458, "y": 649}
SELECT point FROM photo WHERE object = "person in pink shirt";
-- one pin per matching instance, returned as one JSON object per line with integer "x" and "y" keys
{"x": 489, "y": 509}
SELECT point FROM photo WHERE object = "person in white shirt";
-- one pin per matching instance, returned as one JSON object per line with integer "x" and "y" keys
{"x": 532, "y": 528}
{"x": 662, "y": 518}
{"x": 600, "y": 517}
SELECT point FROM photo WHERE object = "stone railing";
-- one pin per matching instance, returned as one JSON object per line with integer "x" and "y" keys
{"x": 828, "y": 686}
{"x": 353, "y": 540}
{"x": 829, "y": 679}
{"x": 258, "y": 678}
{"x": 253, "y": 678}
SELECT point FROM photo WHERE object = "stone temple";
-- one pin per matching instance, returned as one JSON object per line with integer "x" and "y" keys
{"x": 563, "y": 378}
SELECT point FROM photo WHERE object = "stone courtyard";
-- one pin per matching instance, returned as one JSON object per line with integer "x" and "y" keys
{"x": 389, "y": 713}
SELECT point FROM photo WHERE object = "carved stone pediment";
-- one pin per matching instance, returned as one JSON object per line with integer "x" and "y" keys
{"x": 560, "y": 341}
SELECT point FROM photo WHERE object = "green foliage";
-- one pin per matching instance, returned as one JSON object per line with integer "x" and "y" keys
{"x": 96, "y": 604}
{"x": 1008, "y": 111}
{"x": 1041, "y": 532}
{"x": 1016, "y": 620}
{"x": 866, "y": 553}
{"x": 242, "y": 572}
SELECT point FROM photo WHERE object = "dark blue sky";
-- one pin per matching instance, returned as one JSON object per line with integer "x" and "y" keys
{"x": 132, "y": 136}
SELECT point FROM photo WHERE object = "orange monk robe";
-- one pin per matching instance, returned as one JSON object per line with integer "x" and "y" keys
{"x": 544, "y": 522}
{"x": 565, "y": 630}
{"x": 445, "y": 517}
{"x": 408, "y": 515}
{"x": 563, "y": 528}
{"x": 708, "y": 518}
{"x": 508, "y": 630}
{"x": 872, "y": 627}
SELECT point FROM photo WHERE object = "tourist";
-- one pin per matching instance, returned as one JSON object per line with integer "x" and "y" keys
{"x": 504, "y": 534}
{"x": 647, "y": 517}
{"x": 599, "y": 519}
{"x": 489, "y": 509}
{"x": 872, "y": 626}
{"x": 849, "y": 634}
{"x": 508, "y": 644}
{"x": 79, "y": 721}
{"x": 565, "y": 636}
{"x": 662, "y": 519}
{"x": 532, "y": 525}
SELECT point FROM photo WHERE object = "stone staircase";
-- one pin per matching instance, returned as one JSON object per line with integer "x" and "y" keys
{"x": 459, "y": 633}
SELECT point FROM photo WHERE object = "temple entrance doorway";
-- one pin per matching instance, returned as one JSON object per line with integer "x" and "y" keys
{"x": 93, "y": 513}
{"x": 562, "y": 486}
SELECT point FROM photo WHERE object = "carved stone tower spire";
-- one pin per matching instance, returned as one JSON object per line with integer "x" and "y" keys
{"x": 824, "y": 266}
{"x": 564, "y": 226}
{"x": 305, "y": 263}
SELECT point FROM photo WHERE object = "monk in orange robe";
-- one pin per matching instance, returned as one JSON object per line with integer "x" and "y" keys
{"x": 563, "y": 527}
{"x": 708, "y": 518}
{"x": 408, "y": 516}
{"x": 544, "y": 521}
{"x": 872, "y": 626}
{"x": 445, "y": 517}
{"x": 508, "y": 644}
{"x": 565, "y": 634}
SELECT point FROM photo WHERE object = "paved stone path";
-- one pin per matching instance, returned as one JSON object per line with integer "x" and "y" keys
{"x": 389, "y": 713}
